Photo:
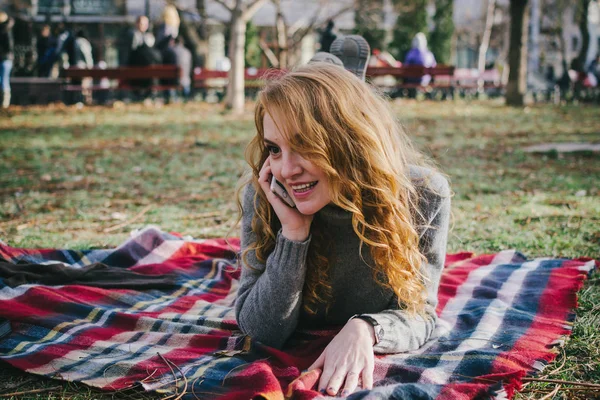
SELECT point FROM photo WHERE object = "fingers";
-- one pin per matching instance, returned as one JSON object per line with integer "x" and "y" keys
{"x": 331, "y": 380}
{"x": 351, "y": 383}
{"x": 265, "y": 172}
{"x": 325, "y": 378}
{"x": 367, "y": 377}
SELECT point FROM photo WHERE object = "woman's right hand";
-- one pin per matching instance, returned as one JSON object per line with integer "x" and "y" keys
{"x": 294, "y": 225}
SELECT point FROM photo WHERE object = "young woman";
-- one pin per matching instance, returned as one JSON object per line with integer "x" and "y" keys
{"x": 364, "y": 245}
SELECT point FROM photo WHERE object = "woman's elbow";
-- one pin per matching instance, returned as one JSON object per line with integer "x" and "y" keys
{"x": 263, "y": 335}
{"x": 258, "y": 331}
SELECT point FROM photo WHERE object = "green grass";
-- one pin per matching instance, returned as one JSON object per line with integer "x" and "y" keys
{"x": 76, "y": 179}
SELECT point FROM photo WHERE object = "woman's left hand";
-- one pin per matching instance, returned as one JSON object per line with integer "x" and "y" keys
{"x": 347, "y": 358}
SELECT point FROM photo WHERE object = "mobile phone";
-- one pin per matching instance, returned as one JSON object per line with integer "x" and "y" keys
{"x": 4, "y": 327}
{"x": 279, "y": 190}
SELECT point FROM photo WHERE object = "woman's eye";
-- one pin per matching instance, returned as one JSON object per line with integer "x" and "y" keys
{"x": 273, "y": 150}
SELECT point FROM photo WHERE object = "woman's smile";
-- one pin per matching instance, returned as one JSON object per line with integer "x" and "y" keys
{"x": 304, "y": 189}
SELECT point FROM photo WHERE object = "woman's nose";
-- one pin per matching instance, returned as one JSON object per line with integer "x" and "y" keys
{"x": 290, "y": 166}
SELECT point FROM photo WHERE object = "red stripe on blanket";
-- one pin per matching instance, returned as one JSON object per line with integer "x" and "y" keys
{"x": 453, "y": 258}
{"x": 257, "y": 381}
{"x": 41, "y": 301}
{"x": 12, "y": 253}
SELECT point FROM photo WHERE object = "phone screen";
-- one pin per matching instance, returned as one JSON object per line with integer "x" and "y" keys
{"x": 279, "y": 190}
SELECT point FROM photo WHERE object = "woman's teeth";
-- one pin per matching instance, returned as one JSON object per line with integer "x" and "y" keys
{"x": 305, "y": 187}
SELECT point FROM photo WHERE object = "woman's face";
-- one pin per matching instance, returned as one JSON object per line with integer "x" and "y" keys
{"x": 304, "y": 181}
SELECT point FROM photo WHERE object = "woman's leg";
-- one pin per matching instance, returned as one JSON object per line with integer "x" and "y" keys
{"x": 5, "y": 68}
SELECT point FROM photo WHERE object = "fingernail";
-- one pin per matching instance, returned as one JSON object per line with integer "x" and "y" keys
{"x": 345, "y": 392}
{"x": 322, "y": 391}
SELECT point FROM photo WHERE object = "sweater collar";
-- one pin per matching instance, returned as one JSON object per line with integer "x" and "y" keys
{"x": 335, "y": 215}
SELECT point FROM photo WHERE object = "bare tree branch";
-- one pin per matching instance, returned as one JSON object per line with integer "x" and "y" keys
{"x": 485, "y": 40}
{"x": 297, "y": 37}
{"x": 252, "y": 8}
{"x": 222, "y": 3}
{"x": 315, "y": 18}
{"x": 269, "y": 53}
{"x": 282, "y": 36}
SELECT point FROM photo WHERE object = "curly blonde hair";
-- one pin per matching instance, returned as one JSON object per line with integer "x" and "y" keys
{"x": 346, "y": 129}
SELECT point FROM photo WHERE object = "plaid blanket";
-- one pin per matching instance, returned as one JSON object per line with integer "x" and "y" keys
{"x": 500, "y": 316}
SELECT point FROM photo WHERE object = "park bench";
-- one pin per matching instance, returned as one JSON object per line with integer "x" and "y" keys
{"x": 35, "y": 90}
{"x": 406, "y": 80}
{"x": 442, "y": 75}
{"x": 470, "y": 81}
{"x": 205, "y": 78}
{"x": 120, "y": 78}
{"x": 254, "y": 77}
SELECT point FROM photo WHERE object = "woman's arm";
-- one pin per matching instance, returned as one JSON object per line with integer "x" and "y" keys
{"x": 401, "y": 331}
{"x": 270, "y": 294}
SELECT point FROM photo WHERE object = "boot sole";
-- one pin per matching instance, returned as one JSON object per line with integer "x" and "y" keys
{"x": 354, "y": 52}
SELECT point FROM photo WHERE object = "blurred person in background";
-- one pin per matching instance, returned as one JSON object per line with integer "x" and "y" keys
{"x": 46, "y": 43}
{"x": 65, "y": 45}
{"x": 141, "y": 43}
{"x": 6, "y": 56}
{"x": 184, "y": 61}
{"x": 327, "y": 36}
{"x": 83, "y": 51}
{"x": 169, "y": 28}
{"x": 142, "y": 54}
{"x": 419, "y": 54}
{"x": 84, "y": 59}
{"x": 169, "y": 57}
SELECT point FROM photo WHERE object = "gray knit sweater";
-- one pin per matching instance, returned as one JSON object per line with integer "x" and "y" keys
{"x": 269, "y": 303}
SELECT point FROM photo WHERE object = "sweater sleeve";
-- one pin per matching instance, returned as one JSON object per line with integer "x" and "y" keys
{"x": 402, "y": 331}
{"x": 269, "y": 298}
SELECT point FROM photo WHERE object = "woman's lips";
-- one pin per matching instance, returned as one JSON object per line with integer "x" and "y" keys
{"x": 304, "y": 194}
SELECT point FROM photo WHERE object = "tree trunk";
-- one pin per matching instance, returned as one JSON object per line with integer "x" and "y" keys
{"x": 282, "y": 36}
{"x": 563, "y": 47}
{"x": 203, "y": 30}
{"x": 235, "y": 86}
{"x": 585, "y": 34}
{"x": 485, "y": 41}
{"x": 517, "y": 53}
{"x": 533, "y": 49}
{"x": 240, "y": 16}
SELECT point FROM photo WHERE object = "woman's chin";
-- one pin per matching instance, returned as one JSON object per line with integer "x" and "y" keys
{"x": 307, "y": 209}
